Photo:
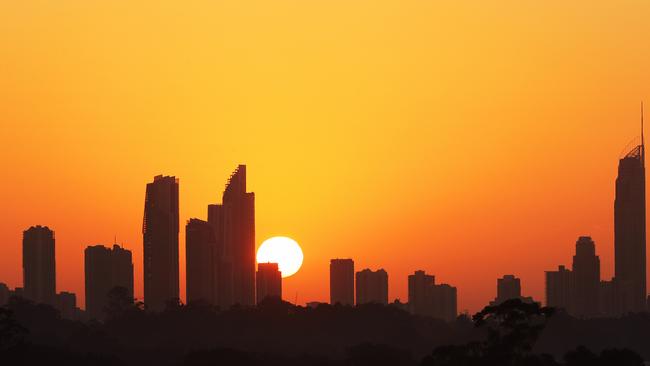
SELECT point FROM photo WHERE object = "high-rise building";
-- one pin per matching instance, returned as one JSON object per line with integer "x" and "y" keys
{"x": 39, "y": 268}
{"x": 200, "y": 262}
{"x": 269, "y": 281}
{"x": 586, "y": 274}
{"x": 428, "y": 299}
{"x": 239, "y": 237}
{"x": 560, "y": 289}
{"x": 630, "y": 232}
{"x": 508, "y": 287}
{"x": 607, "y": 298}
{"x": 5, "y": 293}
{"x": 342, "y": 281}
{"x": 160, "y": 239}
{"x": 105, "y": 269}
{"x": 419, "y": 284}
{"x": 372, "y": 287}
{"x": 66, "y": 303}
{"x": 222, "y": 267}
{"x": 445, "y": 302}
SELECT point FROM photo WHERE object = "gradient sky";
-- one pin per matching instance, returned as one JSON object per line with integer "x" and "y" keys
{"x": 467, "y": 138}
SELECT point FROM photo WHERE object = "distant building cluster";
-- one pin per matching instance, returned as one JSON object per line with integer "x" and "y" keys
{"x": 580, "y": 290}
{"x": 221, "y": 265}
{"x": 425, "y": 297}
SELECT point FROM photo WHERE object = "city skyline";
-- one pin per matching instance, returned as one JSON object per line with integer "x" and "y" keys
{"x": 218, "y": 250}
{"x": 472, "y": 132}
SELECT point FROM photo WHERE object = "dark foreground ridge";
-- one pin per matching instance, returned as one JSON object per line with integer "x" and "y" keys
{"x": 279, "y": 333}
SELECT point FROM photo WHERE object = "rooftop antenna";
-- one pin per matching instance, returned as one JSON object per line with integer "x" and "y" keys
{"x": 642, "y": 144}
{"x": 642, "y": 140}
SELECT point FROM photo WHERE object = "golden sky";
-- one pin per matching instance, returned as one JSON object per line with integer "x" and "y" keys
{"x": 467, "y": 138}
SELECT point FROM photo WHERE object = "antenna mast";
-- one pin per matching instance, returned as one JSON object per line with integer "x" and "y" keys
{"x": 642, "y": 140}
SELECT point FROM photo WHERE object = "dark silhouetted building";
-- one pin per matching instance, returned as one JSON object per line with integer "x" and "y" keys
{"x": 419, "y": 284}
{"x": 372, "y": 287}
{"x": 630, "y": 232}
{"x": 200, "y": 262}
{"x": 607, "y": 298}
{"x": 5, "y": 293}
{"x": 66, "y": 303}
{"x": 342, "y": 281}
{"x": 39, "y": 269}
{"x": 428, "y": 299}
{"x": 560, "y": 287}
{"x": 269, "y": 281}
{"x": 160, "y": 239}
{"x": 508, "y": 287}
{"x": 222, "y": 273}
{"x": 586, "y": 274}
{"x": 105, "y": 269}
{"x": 445, "y": 302}
{"x": 239, "y": 237}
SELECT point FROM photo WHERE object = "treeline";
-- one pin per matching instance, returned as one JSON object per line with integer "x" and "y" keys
{"x": 278, "y": 333}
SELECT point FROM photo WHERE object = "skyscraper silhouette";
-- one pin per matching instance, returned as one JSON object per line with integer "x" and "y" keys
{"x": 200, "y": 258}
{"x": 105, "y": 269}
{"x": 419, "y": 284}
{"x": 342, "y": 281}
{"x": 39, "y": 268}
{"x": 222, "y": 266}
{"x": 508, "y": 287}
{"x": 630, "y": 231}
{"x": 372, "y": 287}
{"x": 269, "y": 281}
{"x": 586, "y": 274}
{"x": 560, "y": 289}
{"x": 428, "y": 299}
{"x": 66, "y": 304}
{"x": 239, "y": 237}
{"x": 160, "y": 241}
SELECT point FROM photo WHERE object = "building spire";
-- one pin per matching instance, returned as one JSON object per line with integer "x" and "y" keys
{"x": 642, "y": 140}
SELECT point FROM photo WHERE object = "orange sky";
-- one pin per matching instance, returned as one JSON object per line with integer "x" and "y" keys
{"x": 466, "y": 138}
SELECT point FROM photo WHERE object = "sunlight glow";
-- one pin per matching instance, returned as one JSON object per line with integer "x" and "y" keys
{"x": 281, "y": 250}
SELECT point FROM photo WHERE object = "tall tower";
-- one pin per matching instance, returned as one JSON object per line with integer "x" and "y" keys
{"x": 200, "y": 262}
{"x": 342, "y": 281}
{"x": 560, "y": 289}
{"x": 372, "y": 287}
{"x": 508, "y": 287}
{"x": 222, "y": 273}
{"x": 269, "y": 281}
{"x": 586, "y": 273}
{"x": 160, "y": 241}
{"x": 39, "y": 269}
{"x": 239, "y": 237}
{"x": 630, "y": 230}
{"x": 104, "y": 270}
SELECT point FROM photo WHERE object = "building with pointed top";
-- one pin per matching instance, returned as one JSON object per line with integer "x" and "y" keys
{"x": 630, "y": 232}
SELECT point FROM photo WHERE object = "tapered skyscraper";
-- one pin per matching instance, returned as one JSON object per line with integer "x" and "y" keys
{"x": 239, "y": 237}
{"x": 39, "y": 274}
{"x": 160, "y": 239}
{"x": 630, "y": 231}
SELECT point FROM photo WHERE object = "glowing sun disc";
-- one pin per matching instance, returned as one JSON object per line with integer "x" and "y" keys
{"x": 281, "y": 250}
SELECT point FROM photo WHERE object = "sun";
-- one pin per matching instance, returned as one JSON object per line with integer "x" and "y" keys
{"x": 281, "y": 250}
